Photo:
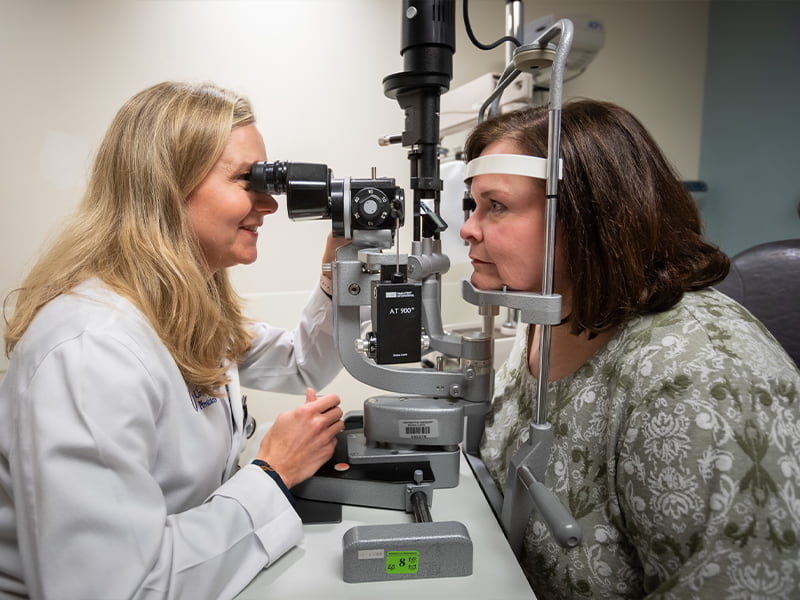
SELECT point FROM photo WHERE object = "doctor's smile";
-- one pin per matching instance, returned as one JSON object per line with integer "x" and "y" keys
{"x": 253, "y": 229}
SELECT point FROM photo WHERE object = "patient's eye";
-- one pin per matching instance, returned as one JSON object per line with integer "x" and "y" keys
{"x": 495, "y": 206}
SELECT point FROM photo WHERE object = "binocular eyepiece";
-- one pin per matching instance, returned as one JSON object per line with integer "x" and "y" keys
{"x": 312, "y": 193}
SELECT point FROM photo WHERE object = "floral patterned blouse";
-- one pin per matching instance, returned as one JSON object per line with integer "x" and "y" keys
{"x": 677, "y": 448}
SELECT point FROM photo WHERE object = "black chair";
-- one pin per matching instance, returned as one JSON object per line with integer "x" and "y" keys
{"x": 765, "y": 279}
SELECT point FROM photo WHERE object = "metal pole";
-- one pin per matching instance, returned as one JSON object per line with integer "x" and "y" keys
{"x": 514, "y": 26}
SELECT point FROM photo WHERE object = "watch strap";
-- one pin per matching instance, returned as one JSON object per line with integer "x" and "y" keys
{"x": 326, "y": 285}
{"x": 267, "y": 468}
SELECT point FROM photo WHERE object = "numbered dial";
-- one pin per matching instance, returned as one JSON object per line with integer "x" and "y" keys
{"x": 371, "y": 207}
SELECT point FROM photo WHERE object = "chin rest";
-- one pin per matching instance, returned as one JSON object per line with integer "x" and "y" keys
{"x": 765, "y": 279}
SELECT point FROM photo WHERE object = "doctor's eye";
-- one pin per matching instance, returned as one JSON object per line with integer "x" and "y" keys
{"x": 245, "y": 178}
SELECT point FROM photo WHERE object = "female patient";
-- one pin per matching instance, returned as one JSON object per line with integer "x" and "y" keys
{"x": 676, "y": 414}
{"x": 121, "y": 416}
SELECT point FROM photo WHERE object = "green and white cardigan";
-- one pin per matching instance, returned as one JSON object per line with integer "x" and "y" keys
{"x": 677, "y": 448}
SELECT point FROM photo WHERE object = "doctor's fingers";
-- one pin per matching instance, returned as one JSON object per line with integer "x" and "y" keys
{"x": 331, "y": 245}
{"x": 323, "y": 410}
{"x": 326, "y": 425}
{"x": 323, "y": 403}
{"x": 332, "y": 415}
{"x": 334, "y": 427}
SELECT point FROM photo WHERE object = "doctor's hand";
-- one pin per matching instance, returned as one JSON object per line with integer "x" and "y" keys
{"x": 331, "y": 245}
{"x": 302, "y": 440}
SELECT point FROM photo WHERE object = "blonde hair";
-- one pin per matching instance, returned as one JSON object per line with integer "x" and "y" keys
{"x": 131, "y": 230}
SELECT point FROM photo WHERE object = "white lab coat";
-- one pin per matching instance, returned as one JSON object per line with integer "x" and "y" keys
{"x": 116, "y": 481}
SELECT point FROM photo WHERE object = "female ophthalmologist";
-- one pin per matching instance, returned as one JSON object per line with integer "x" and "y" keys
{"x": 121, "y": 416}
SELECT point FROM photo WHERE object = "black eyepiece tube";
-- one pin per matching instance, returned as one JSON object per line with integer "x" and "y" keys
{"x": 306, "y": 185}
{"x": 266, "y": 177}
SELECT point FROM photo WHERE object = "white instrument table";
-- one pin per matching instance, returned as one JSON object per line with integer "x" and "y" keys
{"x": 314, "y": 568}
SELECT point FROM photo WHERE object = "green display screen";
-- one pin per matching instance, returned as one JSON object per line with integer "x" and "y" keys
{"x": 398, "y": 562}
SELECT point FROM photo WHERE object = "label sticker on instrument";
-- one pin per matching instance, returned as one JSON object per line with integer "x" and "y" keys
{"x": 419, "y": 429}
{"x": 398, "y": 562}
{"x": 367, "y": 554}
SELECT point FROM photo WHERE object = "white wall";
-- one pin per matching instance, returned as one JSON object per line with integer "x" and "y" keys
{"x": 313, "y": 69}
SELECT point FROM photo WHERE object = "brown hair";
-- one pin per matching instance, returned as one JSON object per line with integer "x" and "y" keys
{"x": 131, "y": 229}
{"x": 632, "y": 238}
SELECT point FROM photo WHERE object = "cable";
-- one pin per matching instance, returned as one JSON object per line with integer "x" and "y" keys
{"x": 474, "y": 40}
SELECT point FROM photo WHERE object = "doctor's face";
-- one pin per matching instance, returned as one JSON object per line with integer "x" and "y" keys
{"x": 223, "y": 212}
{"x": 506, "y": 230}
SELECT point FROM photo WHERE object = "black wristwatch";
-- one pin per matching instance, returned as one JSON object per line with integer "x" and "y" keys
{"x": 267, "y": 468}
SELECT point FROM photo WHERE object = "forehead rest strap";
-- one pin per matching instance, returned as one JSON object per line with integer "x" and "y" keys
{"x": 510, "y": 164}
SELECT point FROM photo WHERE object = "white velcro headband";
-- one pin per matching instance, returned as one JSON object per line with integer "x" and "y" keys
{"x": 510, "y": 164}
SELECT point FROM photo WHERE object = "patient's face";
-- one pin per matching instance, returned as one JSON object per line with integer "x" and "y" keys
{"x": 506, "y": 230}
